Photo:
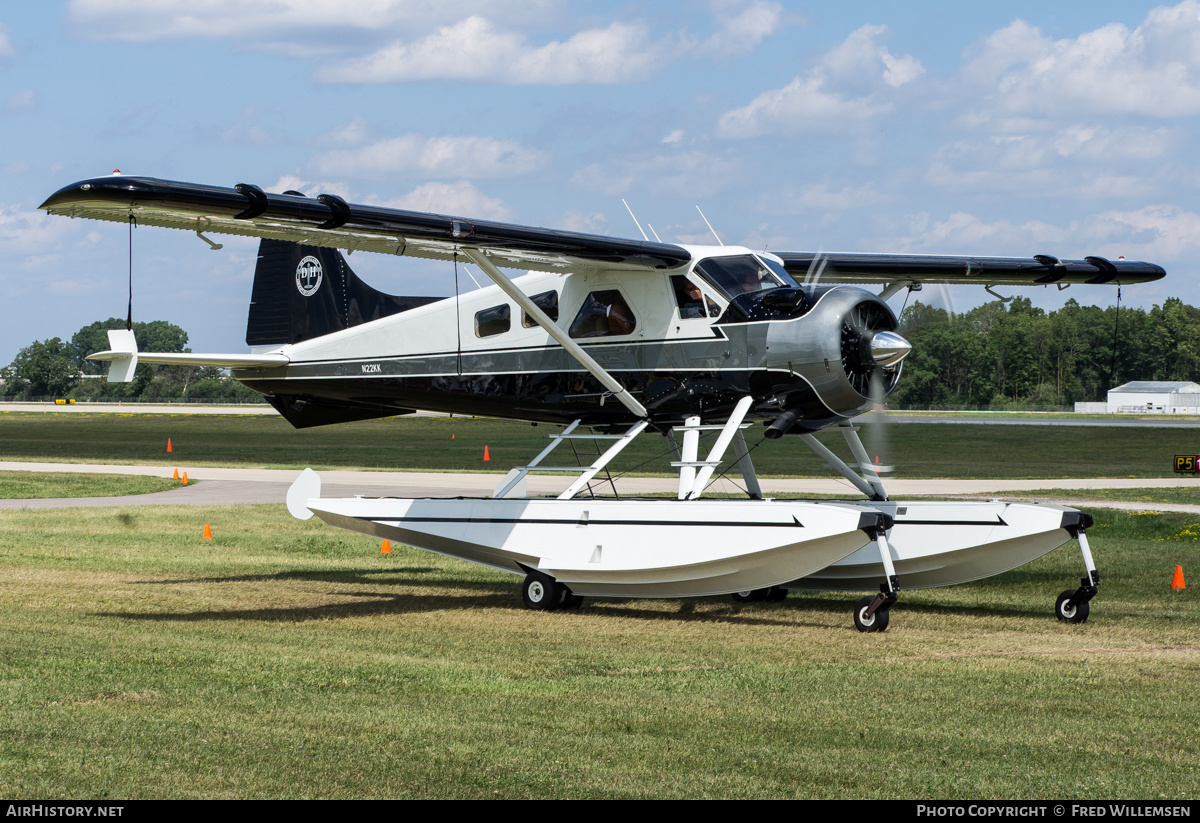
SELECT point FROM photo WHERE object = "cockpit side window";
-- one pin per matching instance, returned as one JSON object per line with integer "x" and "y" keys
{"x": 744, "y": 274}
{"x": 603, "y": 314}
{"x": 692, "y": 302}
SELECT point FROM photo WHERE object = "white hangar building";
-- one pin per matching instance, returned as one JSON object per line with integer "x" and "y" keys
{"x": 1155, "y": 397}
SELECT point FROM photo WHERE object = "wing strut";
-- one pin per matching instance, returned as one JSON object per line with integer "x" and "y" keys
{"x": 574, "y": 349}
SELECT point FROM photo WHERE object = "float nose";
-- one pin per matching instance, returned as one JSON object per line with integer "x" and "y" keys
{"x": 889, "y": 348}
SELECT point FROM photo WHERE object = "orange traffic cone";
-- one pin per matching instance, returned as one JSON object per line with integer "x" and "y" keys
{"x": 169, "y": 449}
{"x": 207, "y": 532}
{"x": 175, "y": 476}
{"x": 1177, "y": 583}
{"x": 451, "y": 437}
{"x": 386, "y": 548}
{"x": 486, "y": 456}
{"x": 183, "y": 480}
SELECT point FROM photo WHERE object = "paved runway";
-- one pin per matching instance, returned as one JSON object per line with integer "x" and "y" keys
{"x": 1086, "y": 422}
{"x": 141, "y": 408}
{"x": 219, "y": 487}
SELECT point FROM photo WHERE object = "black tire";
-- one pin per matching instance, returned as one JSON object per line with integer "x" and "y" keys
{"x": 877, "y": 622}
{"x": 751, "y": 596}
{"x": 1068, "y": 613}
{"x": 571, "y": 600}
{"x": 777, "y": 594}
{"x": 542, "y": 593}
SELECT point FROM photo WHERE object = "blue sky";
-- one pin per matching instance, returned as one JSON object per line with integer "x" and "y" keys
{"x": 1016, "y": 128}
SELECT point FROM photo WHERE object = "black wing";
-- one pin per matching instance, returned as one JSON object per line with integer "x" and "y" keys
{"x": 329, "y": 221}
{"x": 985, "y": 271}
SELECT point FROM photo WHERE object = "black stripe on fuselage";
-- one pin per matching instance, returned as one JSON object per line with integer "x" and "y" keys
{"x": 999, "y": 521}
{"x": 578, "y": 522}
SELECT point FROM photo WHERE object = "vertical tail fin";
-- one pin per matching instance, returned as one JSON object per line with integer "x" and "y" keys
{"x": 124, "y": 364}
{"x": 302, "y": 292}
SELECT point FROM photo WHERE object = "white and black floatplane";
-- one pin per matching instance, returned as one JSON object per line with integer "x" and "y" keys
{"x": 621, "y": 337}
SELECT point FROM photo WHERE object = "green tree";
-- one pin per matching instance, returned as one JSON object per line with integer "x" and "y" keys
{"x": 149, "y": 382}
{"x": 42, "y": 369}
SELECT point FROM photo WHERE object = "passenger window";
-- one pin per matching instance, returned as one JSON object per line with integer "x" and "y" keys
{"x": 691, "y": 301}
{"x": 604, "y": 314}
{"x": 547, "y": 301}
{"x": 492, "y": 321}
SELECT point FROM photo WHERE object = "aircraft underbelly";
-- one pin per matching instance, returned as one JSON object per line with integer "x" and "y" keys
{"x": 619, "y": 548}
{"x": 944, "y": 543}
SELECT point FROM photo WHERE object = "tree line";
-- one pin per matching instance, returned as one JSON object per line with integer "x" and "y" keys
{"x": 1004, "y": 354}
{"x": 57, "y": 368}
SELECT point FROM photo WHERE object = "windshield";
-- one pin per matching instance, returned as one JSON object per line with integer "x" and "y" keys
{"x": 744, "y": 274}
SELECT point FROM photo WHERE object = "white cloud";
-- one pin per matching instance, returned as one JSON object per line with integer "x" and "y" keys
{"x": 474, "y": 49}
{"x": 802, "y": 105}
{"x": 247, "y": 128}
{"x": 352, "y": 133}
{"x": 1079, "y": 161}
{"x": 1153, "y": 70}
{"x": 6, "y": 48}
{"x": 21, "y": 100}
{"x": 151, "y": 20}
{"x": 1155, "y": 233}
{"x": 442, "y": 157}
{"x": 687, "y": 174}
{"x": 963, "y": 233}
{"x": 819, "y": 197}
{"x": 34, "y": 233}
{"x": 575, "y": 220}
{"x": 458, "y": 198}
{"x": 310, "y": 188}
{"x": 742, "y": 26}
{"x": 674, "y": 137}
{"x": 849, "y": 86}
{"x": 496, "y": 41}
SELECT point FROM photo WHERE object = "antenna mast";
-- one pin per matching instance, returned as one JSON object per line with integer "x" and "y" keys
{"x": 710, "y": 228}
{"x": 635, "y": 221}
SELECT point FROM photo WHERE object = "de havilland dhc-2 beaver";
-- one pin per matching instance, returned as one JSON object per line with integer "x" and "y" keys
{"x": 622, "y": 337}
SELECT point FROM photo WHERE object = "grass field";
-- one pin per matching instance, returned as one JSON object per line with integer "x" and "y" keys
{"x": 1186, "y": 495}
{"x": 21, "y": 485}
{"x": 457, "y": 444}
{"x": 287, "y": 659}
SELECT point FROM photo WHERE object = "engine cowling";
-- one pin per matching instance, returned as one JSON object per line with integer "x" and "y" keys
{"x": 844, "y": 351}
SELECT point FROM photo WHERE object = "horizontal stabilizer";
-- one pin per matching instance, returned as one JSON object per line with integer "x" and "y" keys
{"x": 225, "y": 361}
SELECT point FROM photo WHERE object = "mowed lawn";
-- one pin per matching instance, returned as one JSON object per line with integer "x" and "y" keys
{"x": 457, "y": 444}
{"x": 288, "y": 659}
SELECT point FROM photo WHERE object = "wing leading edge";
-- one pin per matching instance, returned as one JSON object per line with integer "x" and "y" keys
{"x": 1038, "y": 270}
{"x": 329, "y": 221}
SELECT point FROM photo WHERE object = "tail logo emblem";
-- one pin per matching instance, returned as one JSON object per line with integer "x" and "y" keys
{"x": 309, "y": 275}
